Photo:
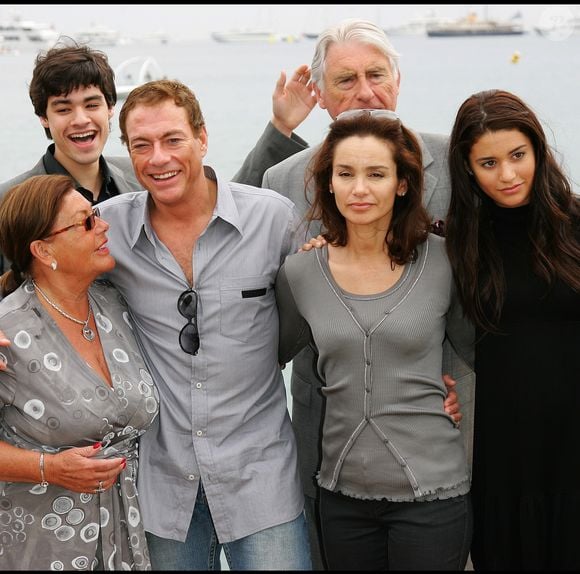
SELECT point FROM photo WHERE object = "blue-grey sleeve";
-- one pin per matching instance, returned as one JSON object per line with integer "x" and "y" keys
{"x": 271, "y": 148}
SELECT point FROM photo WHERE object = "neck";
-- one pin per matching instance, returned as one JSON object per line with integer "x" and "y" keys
{"x": 366, "y": 241}
{"x": 195, "y": 210}
{"x": 88, "y": 176}
{"x": 71, "y": 299}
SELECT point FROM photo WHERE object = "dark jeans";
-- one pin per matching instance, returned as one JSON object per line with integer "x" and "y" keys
{"x": 381, "y": 535}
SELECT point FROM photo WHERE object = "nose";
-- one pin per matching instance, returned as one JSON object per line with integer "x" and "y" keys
{"x": 507, "y": 172}
{"x": 365, "y": 91}
{"x": 80, "y": 116}
{"x": 102, "y": 225}
{"x": 359, "y": 186}
{"x": 158, "y": 155}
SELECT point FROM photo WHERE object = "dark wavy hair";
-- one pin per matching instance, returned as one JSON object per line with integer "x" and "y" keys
{"x": 410, "y": 223}
{"x": 554, "y": 217}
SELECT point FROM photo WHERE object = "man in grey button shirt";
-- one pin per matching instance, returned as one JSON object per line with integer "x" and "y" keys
{"x": 196, "y": 260}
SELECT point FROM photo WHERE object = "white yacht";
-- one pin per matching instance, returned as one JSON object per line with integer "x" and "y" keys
{"x": 17, "y": 31}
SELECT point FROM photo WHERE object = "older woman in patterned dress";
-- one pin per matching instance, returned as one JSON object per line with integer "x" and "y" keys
{"x": 75, "y": 394}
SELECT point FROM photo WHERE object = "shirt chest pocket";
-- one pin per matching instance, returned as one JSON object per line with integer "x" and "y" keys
{"x": 247, "y": 307}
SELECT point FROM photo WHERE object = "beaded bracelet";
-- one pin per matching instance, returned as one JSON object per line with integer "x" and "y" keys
{"x": 43, "y": 481}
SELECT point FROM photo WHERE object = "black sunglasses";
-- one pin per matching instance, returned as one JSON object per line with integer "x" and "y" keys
{"x": 88, "y": 223}
{"x": 189, "y": 335}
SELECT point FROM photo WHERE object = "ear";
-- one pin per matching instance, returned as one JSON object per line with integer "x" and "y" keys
{"x": 111, "y": 112}
{"x": 42, "y": 252}
{"x": 402, "y": 188}
{"x": 44, "y": 122}
{"x": 203, "y": 139}
{"x": 319, "y": 96}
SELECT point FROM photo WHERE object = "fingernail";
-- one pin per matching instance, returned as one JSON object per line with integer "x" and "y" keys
{"x": 97, "y": 445}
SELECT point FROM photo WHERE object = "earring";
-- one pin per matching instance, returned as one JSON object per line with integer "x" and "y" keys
{"x": 54, "y": 265}
{"x": 403, "y": 194}
{"x": 330, "y": 189}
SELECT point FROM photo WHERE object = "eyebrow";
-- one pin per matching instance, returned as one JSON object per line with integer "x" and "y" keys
{"x": 169, "y": 134}
{"x": 347, "y": 166}
{"x": 487, "y": 158}
{"x": 65, "y": 100}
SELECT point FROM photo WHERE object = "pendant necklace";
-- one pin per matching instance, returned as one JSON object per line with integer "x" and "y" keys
{"x": 88, "y": 333}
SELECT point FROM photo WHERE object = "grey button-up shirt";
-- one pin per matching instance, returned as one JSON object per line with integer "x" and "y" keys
{"x": 223, "y": 416}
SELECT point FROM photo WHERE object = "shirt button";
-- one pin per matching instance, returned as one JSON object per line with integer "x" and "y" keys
{"x": 198, "y": 385}
{"x": 199, "y": 433}
{"x": 191, "y": 477}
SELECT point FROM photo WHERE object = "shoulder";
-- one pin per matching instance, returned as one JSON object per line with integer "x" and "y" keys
{"x": 433, "y": 141}
{"x": 121, "y": 162}
{"x": 38, "y": 169}
{"x": 122, "y": 172}
{"x": 17, "y": 301}
{"x": 435, "y": 243}
{"x": 125, "y": 201}
{"x": 260, "y": 197}
{"x": 297, "y": 264}
{"x": 436, "y": 251}
{"x": 290, "y": 165}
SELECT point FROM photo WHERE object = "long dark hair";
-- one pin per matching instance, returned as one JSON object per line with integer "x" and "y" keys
{"x": 410, "y": 222}
{"x": 554, "y": 210}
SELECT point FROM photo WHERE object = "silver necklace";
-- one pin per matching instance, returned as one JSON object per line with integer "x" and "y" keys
{"x": 88, "y": 333}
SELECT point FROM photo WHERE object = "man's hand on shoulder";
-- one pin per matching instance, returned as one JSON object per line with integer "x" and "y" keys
{"x": 315, "y": 242}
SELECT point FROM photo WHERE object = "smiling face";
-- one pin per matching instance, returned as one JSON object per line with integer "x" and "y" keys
{"x": 167, "y": 157}
{"x": 79, "y": 125}
{"x": 365, "y": 182}
{"x": 504, "y": 165}
{"x": 357, "y": 76}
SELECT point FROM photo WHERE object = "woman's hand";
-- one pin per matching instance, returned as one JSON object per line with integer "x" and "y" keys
{"x": 78, "y": 470}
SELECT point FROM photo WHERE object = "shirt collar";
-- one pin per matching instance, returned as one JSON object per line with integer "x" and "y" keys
{"x": 225, "y": 209}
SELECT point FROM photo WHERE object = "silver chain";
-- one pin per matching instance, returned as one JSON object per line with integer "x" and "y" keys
{"x": 88, "y": 333}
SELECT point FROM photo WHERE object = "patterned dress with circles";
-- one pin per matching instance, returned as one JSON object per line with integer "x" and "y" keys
{"x": 51, "y": 400}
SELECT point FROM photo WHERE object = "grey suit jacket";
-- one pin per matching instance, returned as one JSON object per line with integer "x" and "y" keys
{"x": 120, "y": 168}
{"x": 288, "y": 178}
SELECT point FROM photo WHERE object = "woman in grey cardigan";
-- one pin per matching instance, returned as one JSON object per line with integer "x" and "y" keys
{"x": 375, "y": 300}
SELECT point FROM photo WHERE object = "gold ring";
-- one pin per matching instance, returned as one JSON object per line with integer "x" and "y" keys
{"x": 100, "y": 487}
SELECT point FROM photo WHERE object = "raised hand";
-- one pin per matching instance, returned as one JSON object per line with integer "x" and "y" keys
{"x": 292, "y": 101}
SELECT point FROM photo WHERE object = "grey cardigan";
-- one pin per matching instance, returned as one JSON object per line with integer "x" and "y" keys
{"x": 385, "y": 431}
